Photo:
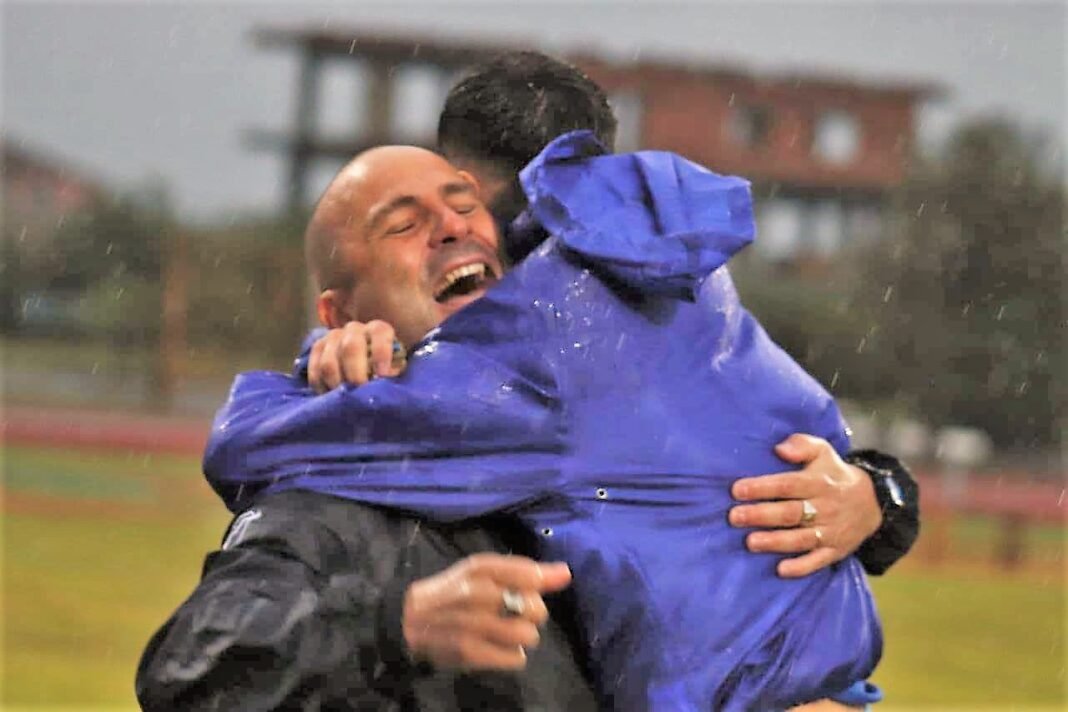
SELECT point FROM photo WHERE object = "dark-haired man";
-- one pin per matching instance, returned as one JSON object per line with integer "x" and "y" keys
{"x": 312, "y": 679}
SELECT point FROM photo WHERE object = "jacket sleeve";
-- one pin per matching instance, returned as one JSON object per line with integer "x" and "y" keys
{"x": 473, "y": 426}
{"x": 898, "y": 495}
{"x": 284, "y": 617}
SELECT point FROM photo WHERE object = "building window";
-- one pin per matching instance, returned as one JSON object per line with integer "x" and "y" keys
{"x": 827, "y": 227}
{"x": 339, "y": 99}
{"x": 750, "y": 126}
{"x": 418, "y": 94}
{"x": 779, "y": 226}
{"x": 864, "y": 222}
{"x": 837, "y": 137}
{"x": 629, "y": 109}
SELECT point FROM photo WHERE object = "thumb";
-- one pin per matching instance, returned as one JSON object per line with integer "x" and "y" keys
{"x": 555, "y": 577}
{"x": 798, "y": 448}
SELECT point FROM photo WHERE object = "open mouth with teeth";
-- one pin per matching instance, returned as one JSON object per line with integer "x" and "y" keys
{"x": 465, "y": 280}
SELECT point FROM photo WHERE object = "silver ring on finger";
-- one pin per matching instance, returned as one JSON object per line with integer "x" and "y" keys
{"x": 512, "y": 603}
{"x": 808, "y": 513}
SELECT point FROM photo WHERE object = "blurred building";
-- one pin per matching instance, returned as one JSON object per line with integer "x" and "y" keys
{"x": 823, "y": 152}
{"x": 39, "y": 192}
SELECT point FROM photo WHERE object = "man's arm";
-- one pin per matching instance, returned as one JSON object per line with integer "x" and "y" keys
{"x": 866, "y": 503}
{"x": 279, "y": 620}
{"x": 291, "y": 615}
{"x": 474, "y": 425}
{"x": 854, "y": 497}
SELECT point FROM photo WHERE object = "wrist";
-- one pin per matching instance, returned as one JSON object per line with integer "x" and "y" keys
{"x": 898, "y": 496}
{"x": 873, "y": 513}
{"x": 394, "y": 646}
{"x": 887, "y": 491}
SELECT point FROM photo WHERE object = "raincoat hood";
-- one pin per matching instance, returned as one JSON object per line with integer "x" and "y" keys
{"x": 651, "y": 220}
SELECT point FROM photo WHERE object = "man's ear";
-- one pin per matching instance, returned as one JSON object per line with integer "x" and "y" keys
{"x": 330, "y": 307}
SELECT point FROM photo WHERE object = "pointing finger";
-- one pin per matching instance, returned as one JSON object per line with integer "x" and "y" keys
{"x": 784, "y": 541}
{"x": 784, "y": 485}
{"x": 800, "y": 448}
{"x": 768, "y": 514}
{"x": 329, "y": 368}
{"x": 521, "y": 573}
{"x": 809, "y": 563}
{"x": 352, "y": 354}
{"x": 380, "y": 338}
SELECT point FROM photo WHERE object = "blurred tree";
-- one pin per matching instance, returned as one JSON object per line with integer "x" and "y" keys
{"x": 967, "y": 302}
{"x": 813, "y": 319}
{"x": 113, "y": 254}
{"x": 11, "y": 278}
{"x": 249, "y": 293}
{"x": 118, "y": 236}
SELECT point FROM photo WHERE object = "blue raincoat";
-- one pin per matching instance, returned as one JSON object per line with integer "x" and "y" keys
{"x": 607, "y": 391}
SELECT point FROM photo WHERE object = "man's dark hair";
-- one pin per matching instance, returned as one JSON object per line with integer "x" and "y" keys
{"x": 509, "y": 108}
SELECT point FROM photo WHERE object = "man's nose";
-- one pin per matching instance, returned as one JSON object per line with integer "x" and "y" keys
{"x": 451, "y": 227}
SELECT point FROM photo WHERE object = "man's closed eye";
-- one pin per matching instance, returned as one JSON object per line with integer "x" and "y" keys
{"x": 400, "y": 229}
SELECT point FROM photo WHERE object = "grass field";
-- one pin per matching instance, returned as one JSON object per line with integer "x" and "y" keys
{"x": 99, "y": 548}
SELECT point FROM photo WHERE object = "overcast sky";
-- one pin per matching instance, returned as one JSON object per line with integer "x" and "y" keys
{"x": 130, "y": 90}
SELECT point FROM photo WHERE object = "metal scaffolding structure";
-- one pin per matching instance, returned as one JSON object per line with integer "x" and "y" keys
{"x": 381, "y": 60}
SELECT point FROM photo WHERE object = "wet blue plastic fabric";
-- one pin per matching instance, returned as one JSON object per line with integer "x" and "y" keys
{"x": 608, "y": 391}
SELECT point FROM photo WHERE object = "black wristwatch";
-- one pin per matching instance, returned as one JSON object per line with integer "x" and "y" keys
{"x": 898, "y": 496}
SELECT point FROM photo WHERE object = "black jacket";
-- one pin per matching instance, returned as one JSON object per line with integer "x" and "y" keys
{"x": 301, "y": 610}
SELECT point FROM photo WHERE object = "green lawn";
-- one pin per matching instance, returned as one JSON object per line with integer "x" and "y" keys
{"x": 972, "y": 640}
{"x": 83, "y": 590}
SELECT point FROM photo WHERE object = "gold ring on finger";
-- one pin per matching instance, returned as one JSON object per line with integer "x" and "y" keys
{"x": 808, "y": 512}
{"x": 819, "y": 537}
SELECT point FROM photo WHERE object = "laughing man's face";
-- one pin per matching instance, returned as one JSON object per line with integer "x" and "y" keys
{"x": 419, "y": 242}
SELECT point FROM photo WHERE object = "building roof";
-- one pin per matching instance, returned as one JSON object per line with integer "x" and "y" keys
{"x": 399, "y": 47}
{"x": 375, "y": 45}
{"x": 822, "y": 79}
{"x": 17, "y": 157}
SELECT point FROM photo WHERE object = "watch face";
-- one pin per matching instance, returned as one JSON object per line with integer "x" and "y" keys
{"x": 895, "y": 491}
